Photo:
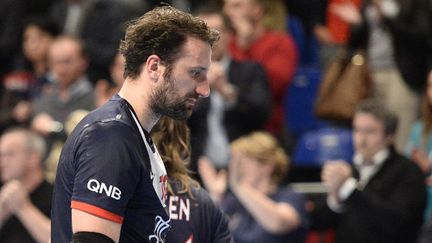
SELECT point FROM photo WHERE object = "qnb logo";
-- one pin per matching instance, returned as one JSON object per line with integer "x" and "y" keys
{"x": 160, "y": 231}
{"x": 100, "y": 187}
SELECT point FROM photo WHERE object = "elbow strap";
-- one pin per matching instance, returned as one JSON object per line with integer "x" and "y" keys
{"x": 89, "y": 237}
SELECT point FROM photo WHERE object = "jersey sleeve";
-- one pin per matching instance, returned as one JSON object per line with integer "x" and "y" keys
{"x": 107, "y": 170}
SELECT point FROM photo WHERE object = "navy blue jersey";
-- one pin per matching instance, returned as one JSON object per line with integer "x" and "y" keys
{"x": 196, "y": 218}
{"x": 109, "y": 170}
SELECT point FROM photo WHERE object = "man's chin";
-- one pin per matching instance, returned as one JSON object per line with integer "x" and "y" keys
{"x": 181, "y": 115}
{"x": 187, "y": 114}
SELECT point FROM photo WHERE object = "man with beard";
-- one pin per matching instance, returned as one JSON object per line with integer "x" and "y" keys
{"x": 111, "y": 181}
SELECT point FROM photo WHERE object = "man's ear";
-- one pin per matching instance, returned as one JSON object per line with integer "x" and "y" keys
{"x": 153, "y": 67}
{"x": 390, "y": 139}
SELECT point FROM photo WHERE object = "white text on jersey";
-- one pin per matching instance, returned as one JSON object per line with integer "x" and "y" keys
{"x": 179, "y": 208}
{"x": 100, "y": 187}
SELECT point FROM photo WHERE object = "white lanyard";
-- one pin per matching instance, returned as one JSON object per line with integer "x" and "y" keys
{"x": 158, "y": 172}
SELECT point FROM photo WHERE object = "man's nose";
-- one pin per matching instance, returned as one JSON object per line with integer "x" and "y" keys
{"x": 203, "y": 88}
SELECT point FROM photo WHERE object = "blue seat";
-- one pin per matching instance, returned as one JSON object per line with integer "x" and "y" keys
{"x": 296, "y": 29}
{"x": 300, "y": 96}
{"x": 299, "y": 102}
{"x": 316, "y": 147}
{"x": 307, "y": 44}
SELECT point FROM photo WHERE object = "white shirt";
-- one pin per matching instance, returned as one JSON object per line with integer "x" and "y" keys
{"x": 217, "y": 145}
{"x": 366, "y": 172}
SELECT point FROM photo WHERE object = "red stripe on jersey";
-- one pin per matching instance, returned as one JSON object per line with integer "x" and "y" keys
{"x": 88, "y": 208}
{"x": 190, "y": 239}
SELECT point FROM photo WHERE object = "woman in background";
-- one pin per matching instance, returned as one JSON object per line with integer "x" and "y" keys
{"x": 419, "y": 145}
{"x": 29, "y": 75}
{"x": 259, "y": 210}
{"x": 194, "y": 216}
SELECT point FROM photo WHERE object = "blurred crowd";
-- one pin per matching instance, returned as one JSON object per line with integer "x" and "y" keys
{"x": 59, "y": 60}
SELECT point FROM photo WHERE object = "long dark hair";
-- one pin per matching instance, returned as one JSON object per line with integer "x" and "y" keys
{"x": 171, "y": 138}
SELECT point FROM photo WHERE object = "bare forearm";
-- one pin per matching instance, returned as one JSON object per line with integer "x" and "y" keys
{"x": 274, "y": 217}
{"x": 37, "y": 224}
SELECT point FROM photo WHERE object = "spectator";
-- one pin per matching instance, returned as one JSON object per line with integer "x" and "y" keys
{"x": 29, "y": 73}
{"x": 275, "y": 51}
{"x": 70, "y": 91}
{"x": 381, "y": 198}
{"x": 240, "y": 101}
{"x": 419, "y": 146}
{"x": 259, "y": 210}
{"x": 334, "y": 33}
{"x": 25, "y": 197}
{"x": 194, "y": 216}
{"x": 395, "y": 35}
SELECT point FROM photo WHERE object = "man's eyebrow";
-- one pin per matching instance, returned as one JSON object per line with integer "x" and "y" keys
{"x": 198, "y": 69}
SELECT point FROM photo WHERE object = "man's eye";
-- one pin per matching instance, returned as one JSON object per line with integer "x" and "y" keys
{"x": 195, "y": 74}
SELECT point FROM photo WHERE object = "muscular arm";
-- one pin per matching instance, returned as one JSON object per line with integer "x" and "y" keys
{"x": 85, "y": 222}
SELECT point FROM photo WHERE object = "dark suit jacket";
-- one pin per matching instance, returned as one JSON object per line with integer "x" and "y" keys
{"x": 254, "y": 102}
{"x": 388, "y": 210}
{"x": 410, "y": 31}
{"x": 250, "y": 113}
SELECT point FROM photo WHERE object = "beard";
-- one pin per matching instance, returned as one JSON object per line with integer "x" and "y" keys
{"x": 165, "y": 100}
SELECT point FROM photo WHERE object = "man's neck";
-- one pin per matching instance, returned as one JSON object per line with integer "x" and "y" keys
{"x": 139, "y": 103}
{"x": 377, "y": 158}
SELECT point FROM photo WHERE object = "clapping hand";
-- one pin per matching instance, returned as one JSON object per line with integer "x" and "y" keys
{"x": 215, "y": 182}
{"x": 13, "y": 197}
{"x": 334, "y": 174}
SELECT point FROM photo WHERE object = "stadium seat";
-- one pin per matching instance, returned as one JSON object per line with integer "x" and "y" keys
{"x": 316, "y": 147}
{"x": 299, "y": 101}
